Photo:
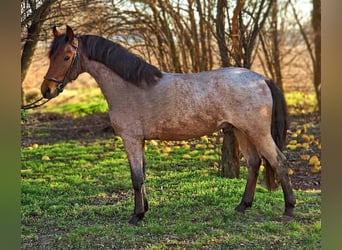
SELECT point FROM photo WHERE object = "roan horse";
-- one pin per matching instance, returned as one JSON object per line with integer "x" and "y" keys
{"x": 145, "y": 103}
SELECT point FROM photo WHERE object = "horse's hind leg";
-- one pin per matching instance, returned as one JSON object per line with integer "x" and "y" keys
{"x": 135, "y": 152}
{"x": 253, "y": 164}
{"x": 278, "y": 162}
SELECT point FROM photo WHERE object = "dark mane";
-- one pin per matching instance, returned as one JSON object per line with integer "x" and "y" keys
{"x": 127, "y": 65}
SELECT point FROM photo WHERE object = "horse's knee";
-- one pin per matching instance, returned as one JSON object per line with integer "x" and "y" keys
{"x": 253, "y": 166}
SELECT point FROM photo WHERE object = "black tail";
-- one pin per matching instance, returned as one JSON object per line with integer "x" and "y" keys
{"x": 278, "y": 130}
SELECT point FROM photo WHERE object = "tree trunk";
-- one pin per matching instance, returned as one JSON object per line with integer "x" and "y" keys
{"x": 275, "y": 46}
{"x": 220, "y": 34}
{"x": 230, "y": 163}
{"x": 230, "y": 154}
{"x": 235, "y": 32}
{"x": 316, "y": 24}
{"x": 38, "y": 17}
{"x": 28, "y": 51}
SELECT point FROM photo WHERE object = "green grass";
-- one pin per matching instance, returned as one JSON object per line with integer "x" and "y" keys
{"x": 89, "y": 101}
{"x": 79, "y": 196}
{"x": 299, "y": 103}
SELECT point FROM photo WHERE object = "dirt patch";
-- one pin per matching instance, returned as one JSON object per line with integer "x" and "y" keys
{"x": 49, "y": 128}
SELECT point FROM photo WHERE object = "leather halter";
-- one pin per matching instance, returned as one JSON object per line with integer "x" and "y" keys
{"x": 61, "y": 83}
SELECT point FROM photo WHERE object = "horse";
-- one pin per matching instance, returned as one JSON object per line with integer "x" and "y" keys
{"x": 145, "y": 103}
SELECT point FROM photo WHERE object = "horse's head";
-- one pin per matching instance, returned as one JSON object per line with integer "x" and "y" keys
{"x": 64, "y": 63}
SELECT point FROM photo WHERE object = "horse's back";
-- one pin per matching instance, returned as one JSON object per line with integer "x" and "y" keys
{"x": 189, "y": 105}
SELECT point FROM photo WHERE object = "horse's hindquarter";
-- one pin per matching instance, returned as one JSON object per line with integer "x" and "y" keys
{"x": 183, "y": 106}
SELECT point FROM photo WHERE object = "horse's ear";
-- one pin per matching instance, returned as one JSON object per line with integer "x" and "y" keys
{"x": 70, "y": 33}
{"x": 55, "y": 31}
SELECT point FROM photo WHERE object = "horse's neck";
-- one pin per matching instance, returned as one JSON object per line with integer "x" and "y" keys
{"x": 111, "y": 84}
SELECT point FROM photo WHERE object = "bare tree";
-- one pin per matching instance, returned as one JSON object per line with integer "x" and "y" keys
{"x": 272, "y": 50}
{"x": 314, "y": 53}
{"x": 236, "y": 49}
{"x": 33, "y": 14}
{"x": 316, "y": 24}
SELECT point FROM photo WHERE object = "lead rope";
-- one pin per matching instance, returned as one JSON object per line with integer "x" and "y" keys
{"x": 34, "y": 105}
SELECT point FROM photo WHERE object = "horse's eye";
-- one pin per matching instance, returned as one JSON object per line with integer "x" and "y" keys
{"x": 66, "y": 58}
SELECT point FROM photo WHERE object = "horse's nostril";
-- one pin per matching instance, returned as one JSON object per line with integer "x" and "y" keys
{"x": 46, "y": 92}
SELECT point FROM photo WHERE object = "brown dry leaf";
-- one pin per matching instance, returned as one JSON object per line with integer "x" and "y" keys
{"x": 305, "y": 157}
{"x": 202, "y": 158}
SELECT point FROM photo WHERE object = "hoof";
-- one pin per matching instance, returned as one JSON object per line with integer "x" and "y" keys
{"x": 135, "y": 219}
{"x": 242, "y": 207}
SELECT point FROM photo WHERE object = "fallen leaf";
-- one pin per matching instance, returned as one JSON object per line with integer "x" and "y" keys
{"x": 153, "y": 143}
{"x": 46, "y": 158}
{"x": 186, "y": 156}
{"x": 305, "y": 157}
{"x": 165, "y": 155}
{"x": 204, "y": 139}
{"x": 167, "y": 149}
{"x": 262, "y": 167}
{"x": 314, "y": 161}
{"x": 194, "y": 152}
{"x": 293, "y": 142}
{"x": 305, "y": 138}
{"x": 291, "y": 147}
{"x": 202, "y": 158}
{"x": 294, "y": 135}
{"x": 290, "y": 171}
{"x": 315, "y": 169}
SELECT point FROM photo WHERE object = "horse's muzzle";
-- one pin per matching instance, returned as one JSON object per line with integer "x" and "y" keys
{"x": 49, "y": 90}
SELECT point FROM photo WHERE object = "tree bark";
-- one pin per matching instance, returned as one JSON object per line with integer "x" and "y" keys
{"x": 230, "y": 154}
{"x": 275, "y": 46}
{"x": 220, "y": 34}
{"x": 37, "y": 19}
{"x": 230, "y": 163}
{"x": 235, "y": 31}
{"x": 316, "y": 24}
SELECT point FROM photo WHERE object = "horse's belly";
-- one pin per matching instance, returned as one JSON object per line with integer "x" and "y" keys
{"x": 182, "y": 129}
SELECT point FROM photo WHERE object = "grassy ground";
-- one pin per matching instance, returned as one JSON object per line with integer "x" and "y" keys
{"x": 77, "y": 194}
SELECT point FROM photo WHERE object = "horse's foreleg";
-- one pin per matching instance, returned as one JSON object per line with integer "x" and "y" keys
{"x": 135, "y": 153}
{"x": 248, "y": 195}
{"x": 253, "y": 164}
